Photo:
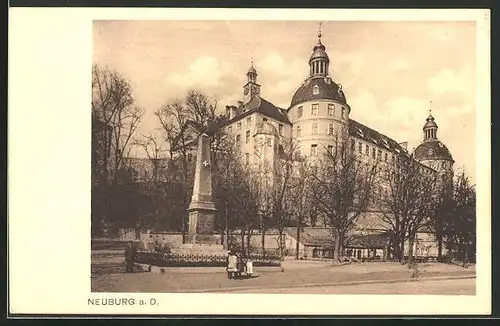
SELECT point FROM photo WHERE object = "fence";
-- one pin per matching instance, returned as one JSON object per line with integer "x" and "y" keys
{"x": 199, "y": 260}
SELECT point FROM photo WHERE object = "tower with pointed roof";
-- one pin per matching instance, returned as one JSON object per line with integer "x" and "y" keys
{"x": 319, "y": 111}
{"x": 434, "y": 154}
{"x": 251, "y": 89}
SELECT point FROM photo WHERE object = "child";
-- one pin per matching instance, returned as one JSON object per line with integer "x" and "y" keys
{"x": 249, "y": 268}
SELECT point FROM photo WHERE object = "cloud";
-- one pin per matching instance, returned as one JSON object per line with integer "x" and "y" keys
{"x": 364, "y": 106}
{"x": 447, "y": 81}
{"x": 280, "y": 77}
{"x": 400, "y": 64}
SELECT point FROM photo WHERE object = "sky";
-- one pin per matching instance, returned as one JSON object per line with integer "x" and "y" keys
{"x": 390, "y": 71}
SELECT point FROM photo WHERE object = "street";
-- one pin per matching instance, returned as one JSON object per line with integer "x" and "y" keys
{"x": 441, "y": 287}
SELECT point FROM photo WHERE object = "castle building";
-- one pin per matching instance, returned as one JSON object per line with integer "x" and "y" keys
{"x": 318, "y": 116}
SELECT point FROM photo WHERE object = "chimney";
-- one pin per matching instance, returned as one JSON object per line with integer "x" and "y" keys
{"x": 404, "y": 145}
{"x": 233, "y": 112}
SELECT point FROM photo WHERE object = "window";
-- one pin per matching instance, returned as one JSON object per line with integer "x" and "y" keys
{"x": 385, "y": 157}
{"x": 239, "y": 126}
{"x": 314, "y": 109}
{"x": 373, "y": 153}
{"x": 330, "y": 129}
{"x": 379, "y": 154}
{"x": 315, "y": 90}
{"x": 269, "y": 142}
{"x": 299, "y": 112}
{"x": 247, "y": 158}
{"x": 249, "y": 121}
{"x": 264, "y": 119}
{"x": 281, "y": 129}
{"x": 331, "y": 109}
{"x": 315, "y": 128}
{"x": 247, "y": 137}
{"x": 298, "y": 131}
{"x": 360, "y": 148}
{"x": 353, "y": 145}
{"x": 238, "y": 138}
{"x": 314, "y": 150}
{"x": 343, "y": 112}
{"x": 330, "y": 149}
{"x": 367, "y": 150}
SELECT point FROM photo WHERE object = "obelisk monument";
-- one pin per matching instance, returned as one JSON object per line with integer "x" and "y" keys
{"x": 202, "y": 208}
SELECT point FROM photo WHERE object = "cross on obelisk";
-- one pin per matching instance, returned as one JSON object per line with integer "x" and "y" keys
{"x": 202, "y": 208}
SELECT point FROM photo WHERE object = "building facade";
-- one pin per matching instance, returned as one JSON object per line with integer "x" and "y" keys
{"x": 318, "y": 116}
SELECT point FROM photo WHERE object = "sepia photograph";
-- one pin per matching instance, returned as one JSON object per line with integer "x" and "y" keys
{"x": 284, "y": 157}
{"x": 249, "y": 162}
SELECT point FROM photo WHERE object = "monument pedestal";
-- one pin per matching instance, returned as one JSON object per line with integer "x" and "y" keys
{"x": 201, "y": 239}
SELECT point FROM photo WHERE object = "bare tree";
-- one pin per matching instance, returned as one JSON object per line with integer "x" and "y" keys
{"x": 300, "y": 197}
{"x": 407, "y": 192}
{"x": 460, "y": 225}
{"x": 343, "y": 189}
{"x": 115, "y": 119}
{"x": 113, "y": 105}
{"x": 175, "y": 118}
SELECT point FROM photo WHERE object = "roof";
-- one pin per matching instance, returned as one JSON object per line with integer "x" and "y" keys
{"x": 369, "y": 241}
{"x": 327, "y": 89}
{"x": 260, "y": 105}
{"x": 361, "y": 131}
{"x": 319, "y": 52}
{"x": 312, "y": 236}
{"x": 199, "y": 129}
{"x": 432, "y": 150}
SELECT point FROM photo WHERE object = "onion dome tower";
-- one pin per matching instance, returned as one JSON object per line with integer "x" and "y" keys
{"x": 434, "y": 154}
{"x": 319, "y": 111}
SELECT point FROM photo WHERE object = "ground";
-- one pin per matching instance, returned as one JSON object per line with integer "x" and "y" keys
{"x": 297, "y": 277}
{"x": 441, "y": 287}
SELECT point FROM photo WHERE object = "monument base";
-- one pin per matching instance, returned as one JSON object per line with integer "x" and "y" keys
{"x": 201, "y": 226}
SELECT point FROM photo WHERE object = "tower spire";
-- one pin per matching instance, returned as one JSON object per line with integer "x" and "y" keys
{"x": 430, "y": 127}
{"x": 319, "y": 61}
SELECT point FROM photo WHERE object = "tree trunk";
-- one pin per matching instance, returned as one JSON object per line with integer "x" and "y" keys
{"x": 263, "y": 240}
{"x": 248, "y": 242}
{"x": 297, "y": 247}
{"x": 242, "y": 234}
{"x": 226, "y": 228}
{"x": 411, "y": 242}
{"x": 402, "y": 249}
{"x": 336, "y": 247}
{"x": 440, "y": 247}
{"x": 280, "y": 242}
{"x": 340, "y": 254}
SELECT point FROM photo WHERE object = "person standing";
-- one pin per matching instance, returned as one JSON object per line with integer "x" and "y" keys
{"x": 249, "y": 267}
{"x": 231, "y": 265}
{"x": 130, "y": 253}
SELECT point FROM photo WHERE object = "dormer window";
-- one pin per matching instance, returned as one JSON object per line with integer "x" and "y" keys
{"x": 315, "y": 90}
{"x": 299, "y": 112}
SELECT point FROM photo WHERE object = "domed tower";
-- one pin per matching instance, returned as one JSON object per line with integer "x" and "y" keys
{"x": 319, "y": 111}
{"x": 434, "y": 154}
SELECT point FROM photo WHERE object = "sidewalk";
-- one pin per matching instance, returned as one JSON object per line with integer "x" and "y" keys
{"x": 310, "y": 285}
